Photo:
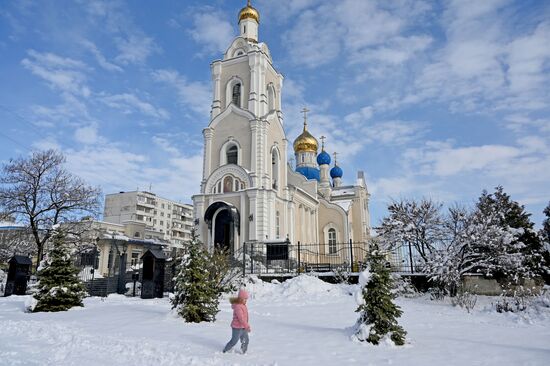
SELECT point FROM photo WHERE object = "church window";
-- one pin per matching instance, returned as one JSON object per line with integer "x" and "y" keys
{"x": 232, "y": 155}
{"x": 244, "y": 28}
{"x": 274, "y": 168}
{"x": 270, "y": 97}
{"x": 236, "y": 185}
{"x": 331, "y": 241}
{"x": 227, "y": 184}
{"x": 236, "y": 98}
{"x": 219, "y": 190}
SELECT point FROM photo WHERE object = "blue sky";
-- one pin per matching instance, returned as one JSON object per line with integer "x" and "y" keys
{"x": 431, "y": 99}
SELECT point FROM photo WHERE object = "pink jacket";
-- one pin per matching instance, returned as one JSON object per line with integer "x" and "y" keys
{"x": 240, "y": 317}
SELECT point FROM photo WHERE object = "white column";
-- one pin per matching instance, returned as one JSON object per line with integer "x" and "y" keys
{"x": 253, "y": 63}
{"x": 254, "y": 127}
{"x": 252, "y": 195}
{"x": 243, "y": 218}
{"x": 216, "y": 97}
{"x": 208, "y": 133}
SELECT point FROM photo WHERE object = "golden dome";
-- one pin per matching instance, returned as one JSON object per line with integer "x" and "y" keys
{"x": 306, "y": 142}
{"x": 249, "y": 12}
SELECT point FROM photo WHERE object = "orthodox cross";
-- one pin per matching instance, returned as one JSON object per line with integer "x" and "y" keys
{"x": 335, "y": 154}
{"x": 322, "y": 138}
{"x": 304, "y": 111}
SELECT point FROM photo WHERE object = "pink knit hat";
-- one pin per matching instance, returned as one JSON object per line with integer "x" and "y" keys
{"x": 243, "y": 294}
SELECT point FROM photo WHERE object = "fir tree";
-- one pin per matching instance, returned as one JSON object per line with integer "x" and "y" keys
{"x": 196, "y": 295}
{"x": 378, "y": 313}
{"x": 510, "y": 216}
{"x": 59, "y": 287}
{"x": 545, "y": 238}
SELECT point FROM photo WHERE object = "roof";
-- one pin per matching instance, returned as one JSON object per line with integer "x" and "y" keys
{"x": 309, "y": 172}
{"x": 21, "y": 259}
{"x": 156, "y": 252}
{"x": 11, "y": 225}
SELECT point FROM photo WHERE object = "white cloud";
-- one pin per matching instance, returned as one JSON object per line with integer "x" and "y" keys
{"x": 359, "y": 31}
{"x": 114, "y": 18}
{"x": 193, "y": 95}
{"x": 212, "y": 31}
{"x": 165, "y": 145}
{"x": 47, "y": 143}
{"x": 129, "y": 103}
{"x": 87, "y": 134}
{"x": 358, "y": 118}
{"x": 63, "y": 74}
{"x": 135, "y": 48}
{"x": 393, "y": 132}
{"x": 484, "y": 65}
{"x": 101, "y": 60}
{"x": 104, "y": 164}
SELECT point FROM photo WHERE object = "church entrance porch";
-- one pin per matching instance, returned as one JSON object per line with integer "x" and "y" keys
{"x": 223, "y": 225}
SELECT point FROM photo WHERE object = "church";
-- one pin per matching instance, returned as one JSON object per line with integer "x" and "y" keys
{"x": 249, "y": 191}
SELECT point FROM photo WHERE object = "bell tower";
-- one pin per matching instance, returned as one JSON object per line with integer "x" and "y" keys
{"x": 249, "y": 19}
{"x": 244, "y": 144}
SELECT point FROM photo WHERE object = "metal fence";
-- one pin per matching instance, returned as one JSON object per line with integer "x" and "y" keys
{"x": 118, "y": 276}
{"x": 283, "y": 257}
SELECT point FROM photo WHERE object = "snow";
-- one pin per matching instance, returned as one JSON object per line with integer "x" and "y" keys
{"x": 303, "y": 321}
{"x": 10, "y": 225}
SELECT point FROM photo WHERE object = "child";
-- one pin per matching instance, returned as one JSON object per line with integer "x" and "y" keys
{"x": 239, "y": 325}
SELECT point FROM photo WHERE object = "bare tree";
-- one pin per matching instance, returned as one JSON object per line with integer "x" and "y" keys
{"x": 16, "y": 241}
{"x": 412, "y": 223}
{"x": 40, "y": 193}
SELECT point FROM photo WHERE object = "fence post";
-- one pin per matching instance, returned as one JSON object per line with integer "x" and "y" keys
{"x": 351, "y": 253}
{"x": 411, "y": 257}
{"x": 287, "y": 243}
{"x": 298, "y": 257}
{"x": 244, "y": 259}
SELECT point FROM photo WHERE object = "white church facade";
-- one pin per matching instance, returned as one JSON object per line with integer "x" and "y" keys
{"x": 249, "y": 191}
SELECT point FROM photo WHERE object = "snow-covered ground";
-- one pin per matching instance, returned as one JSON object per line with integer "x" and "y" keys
{"x": 300, "y": 322}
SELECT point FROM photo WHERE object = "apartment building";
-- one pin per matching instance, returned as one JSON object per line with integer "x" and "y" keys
{"x": 171, "y": 220}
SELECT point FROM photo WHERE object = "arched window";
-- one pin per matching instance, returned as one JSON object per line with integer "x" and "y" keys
{"x": 331, "y": 241}
{"x": 232, "y": 155}
{"x": 236, "y": 96}
{"x": 227, "y": 184}
{"x": 274, "y": 168}
{"x": 270, "y": 98}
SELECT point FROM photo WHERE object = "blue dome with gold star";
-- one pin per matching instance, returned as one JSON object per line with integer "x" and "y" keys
{"x": 336, "y": 172}
{"x": 309, "y": 172}
{"x": 323, "y": 158}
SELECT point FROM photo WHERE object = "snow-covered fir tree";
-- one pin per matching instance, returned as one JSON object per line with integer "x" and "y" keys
{"x": 59, "y": 287}
{"x": 495, "y": 239}
{"x": 522, "y": 256}
{"x": 544, "y": 234}
{"x": 378, "y": 312}
{"x": 196, "y": 293}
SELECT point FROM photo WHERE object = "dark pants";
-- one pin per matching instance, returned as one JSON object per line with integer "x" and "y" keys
{"x": 238, "y": 333}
